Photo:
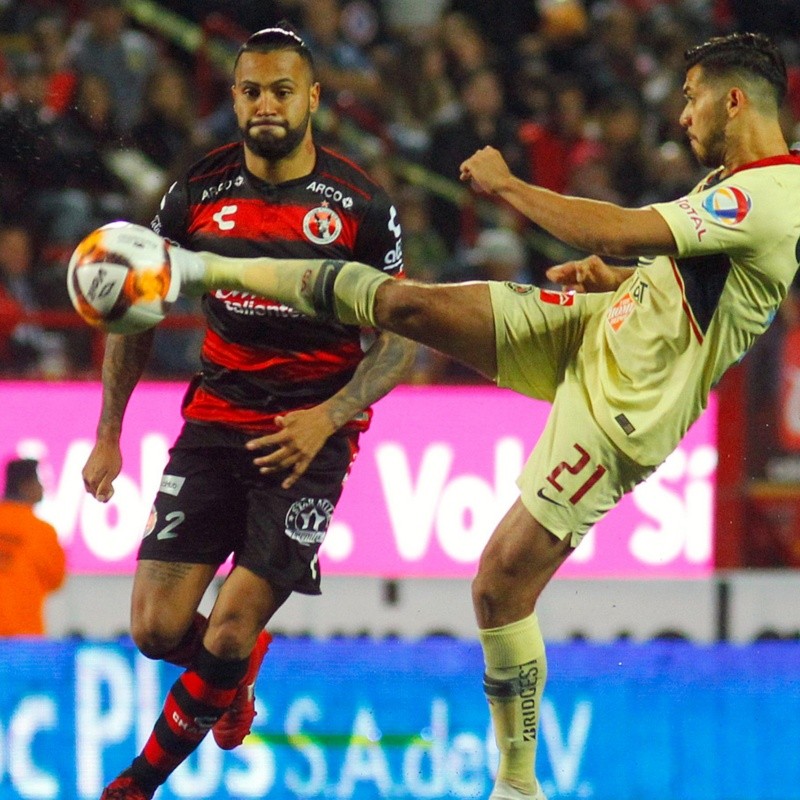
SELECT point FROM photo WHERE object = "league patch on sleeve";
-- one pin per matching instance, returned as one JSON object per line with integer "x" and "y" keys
{"x": 728, "y": 205}
{"x": 557, "y": 298}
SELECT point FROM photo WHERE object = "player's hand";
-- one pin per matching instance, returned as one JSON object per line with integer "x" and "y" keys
{"x": 102, "y": 467}
{"x": 590, "y": 274}
{"x": 486, "y": 171}
{"x": 301, "y": 436}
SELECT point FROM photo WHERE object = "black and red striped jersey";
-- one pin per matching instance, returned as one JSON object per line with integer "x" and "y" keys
{"x": 259, "y": 357}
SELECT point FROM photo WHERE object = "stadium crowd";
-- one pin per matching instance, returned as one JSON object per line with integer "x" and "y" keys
{"x": 100, "y": 108}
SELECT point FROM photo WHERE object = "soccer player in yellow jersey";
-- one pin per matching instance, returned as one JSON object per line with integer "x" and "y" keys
{"x": 626, "y": 356}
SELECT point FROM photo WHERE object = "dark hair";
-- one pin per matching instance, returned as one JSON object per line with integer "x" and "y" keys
{"x": 752, "y": 53}
{"x": 280, "y": 37}
{"x": 18, "y": 472}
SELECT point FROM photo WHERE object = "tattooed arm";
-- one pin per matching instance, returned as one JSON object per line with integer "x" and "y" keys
{"x": 123, "y": 363}
{"x": 303, "y": 433}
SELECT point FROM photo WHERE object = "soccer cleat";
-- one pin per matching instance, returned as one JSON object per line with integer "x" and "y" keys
{"x": 505, "y": 791}
{"x": 124, "y": 788}
{"x": 234, "y": 725}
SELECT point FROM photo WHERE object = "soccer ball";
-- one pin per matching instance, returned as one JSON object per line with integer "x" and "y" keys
{"x": 120, "y": 278}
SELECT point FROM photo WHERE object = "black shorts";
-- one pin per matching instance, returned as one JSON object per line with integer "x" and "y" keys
{"x": 213, "y": 502}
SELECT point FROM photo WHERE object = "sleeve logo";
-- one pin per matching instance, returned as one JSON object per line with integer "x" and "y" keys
{"x": 557, "y": 298}
{"x": 620, "y": 311}
{"x": 728, "y": 205}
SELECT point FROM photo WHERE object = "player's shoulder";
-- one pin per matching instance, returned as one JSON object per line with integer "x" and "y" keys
{"x": 337, "y": 169}
{"x": 769, "y": 174}
{"x": 768, "y": 188}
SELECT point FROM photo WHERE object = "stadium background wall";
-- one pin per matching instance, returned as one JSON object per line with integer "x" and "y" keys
{"x": 362, "y": 719}
{"x": 434, "y": 483}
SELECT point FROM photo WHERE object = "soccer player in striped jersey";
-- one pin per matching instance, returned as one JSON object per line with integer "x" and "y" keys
{"x": 271, "y": 422}
{"x": 627, "y": 358}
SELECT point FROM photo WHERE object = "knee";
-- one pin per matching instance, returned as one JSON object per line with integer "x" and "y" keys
{"x": 503, "y": 590}
{"x": 231, "y": 637}
{"x": 399, "y": 306}
{"x": 154, "y": 636}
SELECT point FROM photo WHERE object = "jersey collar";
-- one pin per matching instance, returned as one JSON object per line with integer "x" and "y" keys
{"x": 773, "y": 161}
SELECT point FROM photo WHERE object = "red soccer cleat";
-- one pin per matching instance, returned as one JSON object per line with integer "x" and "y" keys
{"x": 232, "y": 727}
{"x": 124, "y": 788}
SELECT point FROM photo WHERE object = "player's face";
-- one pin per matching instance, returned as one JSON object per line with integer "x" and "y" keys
{"x": 273, "y": 98}
{"x": 704, "y": 118}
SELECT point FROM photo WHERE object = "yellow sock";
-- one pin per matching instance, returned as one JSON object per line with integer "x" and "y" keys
{"x": 516, "y": 670}
{"x": 312, "y": 286}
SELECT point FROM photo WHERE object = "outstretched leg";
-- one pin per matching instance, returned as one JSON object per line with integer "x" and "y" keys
{"x": 455, "y": 319}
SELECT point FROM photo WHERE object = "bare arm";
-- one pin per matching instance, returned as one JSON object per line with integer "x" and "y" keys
{"x": 303, "y": 433}
{"x": 590, "y": 225}
{"x": 123, "y": 363}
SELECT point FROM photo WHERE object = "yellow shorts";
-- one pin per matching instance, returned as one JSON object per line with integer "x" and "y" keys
{"x": 575, "y": 473}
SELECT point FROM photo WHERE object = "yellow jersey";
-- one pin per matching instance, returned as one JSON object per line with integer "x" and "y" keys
{"x": 677, "y": 324}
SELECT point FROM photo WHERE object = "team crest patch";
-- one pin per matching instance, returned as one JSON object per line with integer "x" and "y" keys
{"x": 322, "y": 225}
{"x": 620, "y": 311}
{"x": 557, "y": 298}
{"x": 519, "y": 288}
{"x": 728, "y": 205}
{"x": 307, "y": 520}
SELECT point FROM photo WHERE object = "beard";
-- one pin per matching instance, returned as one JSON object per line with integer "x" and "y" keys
{"x": 711, "y": 152}
{"x": 271, "y": 147}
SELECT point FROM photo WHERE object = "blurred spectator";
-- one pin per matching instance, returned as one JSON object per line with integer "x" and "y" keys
{"x": 621, "y": 118}
{"x": 424, "y": 251}
{"x": 499, "y": 254}
{"x": 166, "y": 138}
{"x": 32, "y": 562}
{"x": 615, "y": 57}
{"x": 466, "y": 47}
{"x": 83, "y": 192}
{"x": 555, "y": 144}
{"x": 26, "y": 126}
{"x": 347, "y": 74}
{"x": 420, "y": 95}
{"x": 672, "y": 173}
{"x": 164, "y": 132}
{"x": 50, "y": 44}
{"x": 779, "y": 19}
{"x": 527, "y": 33}
{"x": 26, "y": 348}
{"x": 176, "y": 350}
{"x": 482, "y": 121}
{"x": 104, "y": 44}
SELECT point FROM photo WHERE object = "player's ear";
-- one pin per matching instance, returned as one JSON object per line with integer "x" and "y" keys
{"x": 735, "y": 100}
{"x": 314, "y": 93}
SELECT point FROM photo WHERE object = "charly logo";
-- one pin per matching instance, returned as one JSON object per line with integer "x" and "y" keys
{"x": 322, "y": 225}
{"x": 307, "y": 520}
{"x": 220, "y": 218}
{"x": 728, "y": 205}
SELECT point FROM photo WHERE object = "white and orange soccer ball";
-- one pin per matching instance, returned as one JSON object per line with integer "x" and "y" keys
{"x": 121, "y": 278}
